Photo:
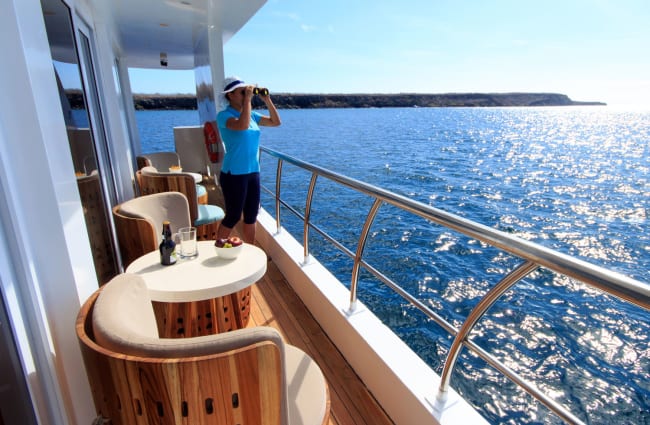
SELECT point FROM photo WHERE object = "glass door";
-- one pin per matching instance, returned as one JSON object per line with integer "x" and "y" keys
{"x": 73, "y": 66}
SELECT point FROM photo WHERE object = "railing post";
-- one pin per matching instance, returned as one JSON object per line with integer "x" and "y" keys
{"x": 474, "y": 316}
{"x": 278, "y": 181}
{"x": 363, "y": 237}
{"x": 310, "y": 196}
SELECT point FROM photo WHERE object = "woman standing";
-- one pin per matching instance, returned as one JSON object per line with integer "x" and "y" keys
{"x": 240, "y": 173}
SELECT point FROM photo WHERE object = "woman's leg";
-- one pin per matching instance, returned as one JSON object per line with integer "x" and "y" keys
{"x": 249, "y": 233}
{"x": 251, "y": 207}
{"x": 234, "y": 190}
{"x": 223, "y": 232}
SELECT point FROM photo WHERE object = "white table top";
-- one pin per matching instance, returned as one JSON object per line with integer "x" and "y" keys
{"x": 203, "y": 277}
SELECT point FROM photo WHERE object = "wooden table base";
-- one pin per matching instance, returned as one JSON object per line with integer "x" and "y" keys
{"x": 197, "y": 318}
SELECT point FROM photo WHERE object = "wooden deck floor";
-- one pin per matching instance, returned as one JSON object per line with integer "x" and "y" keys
{"x": 274, "y": 303}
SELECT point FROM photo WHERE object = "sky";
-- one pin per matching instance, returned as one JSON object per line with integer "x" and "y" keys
{"x": 590, "y": 50}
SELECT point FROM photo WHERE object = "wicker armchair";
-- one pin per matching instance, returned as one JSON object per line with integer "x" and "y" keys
{"x": 204, "y": 217}
{"x": 138, "y": 222}
{"x": 248, "y": 376}
{"x": 159, "y": 160}
{"x": 200, "y": 188}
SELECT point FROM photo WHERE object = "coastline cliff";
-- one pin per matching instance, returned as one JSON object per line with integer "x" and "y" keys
{"x": 291, "y": 101}
{"x": 305, "y": 101}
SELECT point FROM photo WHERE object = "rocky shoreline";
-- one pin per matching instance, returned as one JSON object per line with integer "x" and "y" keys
{"x": 300, "y": 101}
{"x": 401, "y": 100}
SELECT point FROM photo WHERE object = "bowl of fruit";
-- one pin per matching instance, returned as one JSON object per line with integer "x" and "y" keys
{"x": 229, "y": 248}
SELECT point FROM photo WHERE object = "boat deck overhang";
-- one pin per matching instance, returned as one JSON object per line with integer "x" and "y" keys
{"x": 148, "y": 28}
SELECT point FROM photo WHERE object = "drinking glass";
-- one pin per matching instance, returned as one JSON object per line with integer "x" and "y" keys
{"x": 187, "y": 237}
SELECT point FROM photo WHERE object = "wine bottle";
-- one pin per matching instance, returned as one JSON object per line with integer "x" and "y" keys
{"x": 167, "y": 246}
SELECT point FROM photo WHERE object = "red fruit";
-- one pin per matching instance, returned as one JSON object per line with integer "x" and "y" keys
{"x": 235, "y": 241}
{"x": 220, "y": 242}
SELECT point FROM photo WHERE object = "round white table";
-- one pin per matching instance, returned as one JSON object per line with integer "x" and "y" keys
{"x": 202, "y": 295}
{"x": 203, "y": 277}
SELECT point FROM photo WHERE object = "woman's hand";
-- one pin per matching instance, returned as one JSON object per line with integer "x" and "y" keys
{"x": 248, "y": 93}
{"x": 273, "y": 120}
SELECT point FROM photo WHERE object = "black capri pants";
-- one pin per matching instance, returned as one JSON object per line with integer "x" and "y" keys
{"x": 241, "y": 193}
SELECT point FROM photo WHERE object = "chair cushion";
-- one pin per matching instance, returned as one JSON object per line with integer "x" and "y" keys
{"x": 123, "y": 314}
{"x": 307, "y": 391}
{"x": 157, "y": 207}
{"x": 124, "y": 321}
{"x": 149, "y": 170}
{"x": 208, "y": 214}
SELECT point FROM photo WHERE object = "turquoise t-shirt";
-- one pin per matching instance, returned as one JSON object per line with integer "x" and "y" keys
{"x": 242, "y": 147}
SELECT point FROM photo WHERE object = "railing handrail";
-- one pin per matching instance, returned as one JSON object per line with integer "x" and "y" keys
{"x": 607, "y": 280}
{"x": 532, "y": 254}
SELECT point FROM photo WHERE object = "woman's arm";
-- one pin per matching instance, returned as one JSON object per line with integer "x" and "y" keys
{"x": 274, "y": 119}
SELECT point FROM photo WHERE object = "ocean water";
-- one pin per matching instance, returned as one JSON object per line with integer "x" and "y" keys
{"x": 575, "y": 179}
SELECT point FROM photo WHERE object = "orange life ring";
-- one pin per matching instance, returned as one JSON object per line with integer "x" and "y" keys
{"x": 212, "y": 141}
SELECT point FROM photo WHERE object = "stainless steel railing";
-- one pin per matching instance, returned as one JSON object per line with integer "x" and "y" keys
{"x": 533, "y": 256}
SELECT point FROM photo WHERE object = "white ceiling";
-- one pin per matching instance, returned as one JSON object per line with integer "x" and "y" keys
{"x": 148, "y": 27}
{"x": 143, "y": 29}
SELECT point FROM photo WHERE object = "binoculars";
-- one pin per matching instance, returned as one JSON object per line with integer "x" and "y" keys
{"x": 261, "y": 91}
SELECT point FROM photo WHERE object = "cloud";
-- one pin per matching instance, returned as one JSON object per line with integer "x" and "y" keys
{"x": 294, "y": 17}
